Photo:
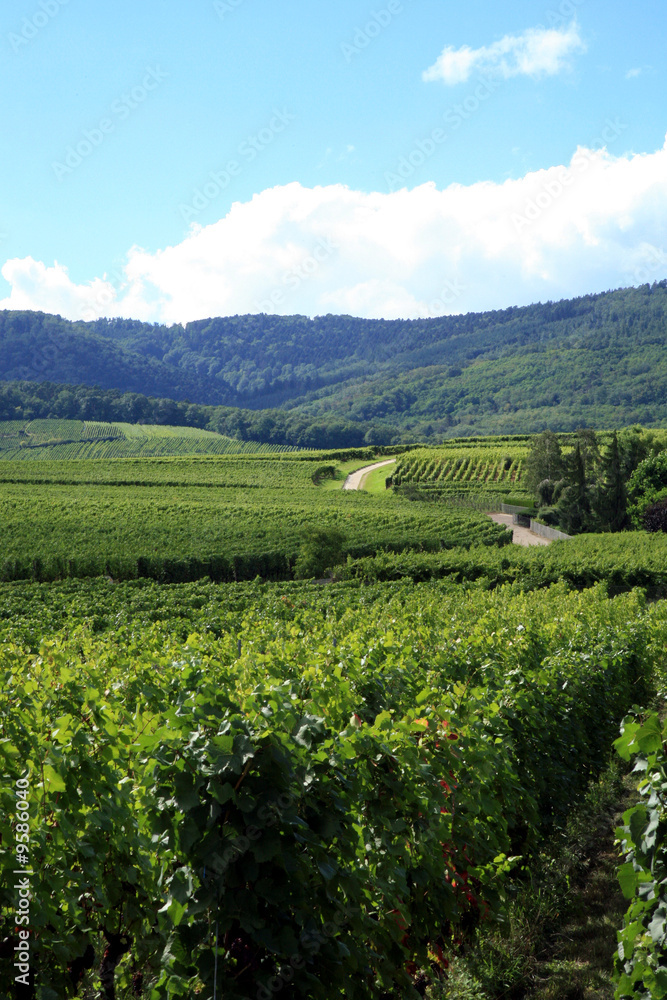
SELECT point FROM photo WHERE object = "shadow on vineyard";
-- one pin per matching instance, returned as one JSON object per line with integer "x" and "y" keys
{"x": 560, "y": 934}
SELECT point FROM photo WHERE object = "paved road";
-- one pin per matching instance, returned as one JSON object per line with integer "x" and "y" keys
{"x": 520, "y": 536}
{"x": 355, "y": 479}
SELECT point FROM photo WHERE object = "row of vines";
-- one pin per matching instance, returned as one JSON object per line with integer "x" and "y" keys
{"x": 308, "y": 795}
{"x": 478, "y": 467}
{"x": 641, "y": 963}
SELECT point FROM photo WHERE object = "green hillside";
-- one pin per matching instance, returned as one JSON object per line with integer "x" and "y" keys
{"x": 598, "y": 360}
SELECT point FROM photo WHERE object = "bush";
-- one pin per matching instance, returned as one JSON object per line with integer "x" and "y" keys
{"x": 647, "y": 486}
{"x": 548, "y": 515}
{"x": 321, "y": 550}
{"x": 654, "y": 517}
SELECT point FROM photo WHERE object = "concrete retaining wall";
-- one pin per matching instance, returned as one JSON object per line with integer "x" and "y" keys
{"x": 546, "y": 532}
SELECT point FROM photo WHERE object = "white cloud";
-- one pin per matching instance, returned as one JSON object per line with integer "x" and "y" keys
{"x": 632, "y": 73}
{"x": 537, "y": 52}
{"x": 593, "y": 224}
{"x": 33, "y": 282}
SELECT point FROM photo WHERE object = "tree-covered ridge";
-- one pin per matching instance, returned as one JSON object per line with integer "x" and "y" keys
{"x": 596, "y": 360}
{"x": 29, "y": 401}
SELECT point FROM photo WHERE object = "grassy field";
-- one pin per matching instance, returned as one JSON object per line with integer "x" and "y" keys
{"x": 376, "y": 482}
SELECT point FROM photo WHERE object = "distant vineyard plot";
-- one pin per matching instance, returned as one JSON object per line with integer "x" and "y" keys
{"x": 77, "y": 439}
{"x": 480, "y": 467}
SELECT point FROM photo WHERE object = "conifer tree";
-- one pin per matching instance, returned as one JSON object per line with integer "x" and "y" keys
{"x": 544, "y": 462}
{"x": 611, "y": 501}
{"x": 573, "y": 509}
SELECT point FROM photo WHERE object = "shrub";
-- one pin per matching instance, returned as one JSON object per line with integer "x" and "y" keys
{"x": 321, "y": 550}
{"x": 654, "y": 517}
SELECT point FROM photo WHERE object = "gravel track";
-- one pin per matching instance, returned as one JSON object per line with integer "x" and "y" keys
{"x": 355, "y": 480}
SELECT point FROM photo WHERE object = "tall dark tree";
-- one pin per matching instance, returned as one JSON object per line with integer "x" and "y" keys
{"x": 544, "y": 462}
{"x": 590, "y": 452}
{"x": 574, "y": 509}
{"x": 611, "y": 498}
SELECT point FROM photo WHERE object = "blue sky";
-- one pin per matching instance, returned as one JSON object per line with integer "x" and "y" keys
{"x": 116, "y": 116}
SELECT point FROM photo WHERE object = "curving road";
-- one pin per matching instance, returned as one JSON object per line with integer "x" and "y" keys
{"x": 355, "y": 480}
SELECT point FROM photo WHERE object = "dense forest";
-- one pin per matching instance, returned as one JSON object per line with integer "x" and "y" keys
{"x": 598, "y": 360}
{"x": 51, "y": 400}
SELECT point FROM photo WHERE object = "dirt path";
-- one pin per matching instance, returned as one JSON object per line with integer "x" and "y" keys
{"x": 520, "y": 536}
{"x": 355, "y": 480}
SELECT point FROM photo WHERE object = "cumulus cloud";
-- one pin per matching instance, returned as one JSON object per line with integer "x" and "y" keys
{"x": 537, "y": 52}
{"x": 33, "y": 282}
{"x": 595, "y": 223}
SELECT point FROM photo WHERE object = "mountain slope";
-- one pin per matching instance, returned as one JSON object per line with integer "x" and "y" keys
{"x": 599, "y": 360}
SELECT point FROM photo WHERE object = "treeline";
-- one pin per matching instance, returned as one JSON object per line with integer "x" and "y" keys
{"x": 593, "y": 489}
{"x": 597, "y": 360}
{"x": 49, "y": 400}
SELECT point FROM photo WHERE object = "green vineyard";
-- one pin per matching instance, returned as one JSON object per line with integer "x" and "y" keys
{"x": 181, "y": 519}
{"x": 621, "y": 562}
{"x": 262, "y": 736}
{"x": 76, "y": 439}
{"x": 229, "y": 790}
{"x": 461, "y": 468}
{"x": 484, "y": 467}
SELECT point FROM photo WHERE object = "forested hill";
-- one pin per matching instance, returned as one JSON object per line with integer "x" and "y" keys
{"x": 598, "y": 360}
